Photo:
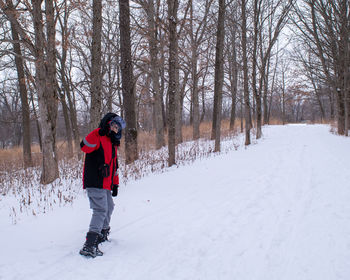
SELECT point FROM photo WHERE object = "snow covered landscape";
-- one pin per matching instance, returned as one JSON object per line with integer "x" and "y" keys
{"x": 276, "y": 210}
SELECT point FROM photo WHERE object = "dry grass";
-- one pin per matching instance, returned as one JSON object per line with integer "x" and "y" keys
{"x": 275, "y": 121}
{"x": 12, "y": 159}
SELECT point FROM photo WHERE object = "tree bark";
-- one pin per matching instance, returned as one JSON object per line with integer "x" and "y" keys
{"x": 67, "y": 124}
{"x": 256, "y": 21}
{"x": 283, "y": 88}
{"x": 178, "y": 108}
{"x": 45, "y": 78}
{"x": 266, "y": 88}
{"x": 245, "y": 74}
{"x": 131, "y": 150}
{"x": 219, "y": 76}
{"x": 96, "y": 71}
{"x": 233, "y": 81}
{"x": 180, "y": 95}
{"x": 158, "y": 98}
{"x": 194, "y": 76}
{"x": 172, "y": 88}
{"x": 27, "y": 154}
{"x": 66, "y": 88}
{"x": 345, "y": 38}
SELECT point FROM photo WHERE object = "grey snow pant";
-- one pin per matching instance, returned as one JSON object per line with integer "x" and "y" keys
{"x": 102, "y": 205}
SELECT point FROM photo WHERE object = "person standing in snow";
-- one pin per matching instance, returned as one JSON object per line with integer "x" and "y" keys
{"x": 100, "y": 179}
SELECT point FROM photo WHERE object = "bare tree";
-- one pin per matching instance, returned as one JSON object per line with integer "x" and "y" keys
{"x": 219, "y": 76}
{"x": 324, "y": 26}
{"x": 197, "y": 35}
{"x": 128, "y": 82}
{"x": 172, "y": 88}
{"x": 283, "y": 71}
{"x": 245, "y": 73}
{"x": 46, "y": 85}
{"x": 279, "y": 10}
{"x": 96, "y": 72}
{"x": 233, "y": 75}
{"x": 69, "y": 109}
{"x": 148, "y": 6}
{"x": 27, "y": 156}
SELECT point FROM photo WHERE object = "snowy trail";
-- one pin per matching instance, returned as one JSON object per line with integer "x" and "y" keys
{"x": 278, "y": 210}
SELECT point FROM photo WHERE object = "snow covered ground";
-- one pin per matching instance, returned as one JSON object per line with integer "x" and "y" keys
{"x": 276, "y": 210}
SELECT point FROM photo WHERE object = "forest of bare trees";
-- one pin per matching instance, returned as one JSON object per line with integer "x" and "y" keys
{"x": 162, "y": 64}
{"x": 324, "y": 34}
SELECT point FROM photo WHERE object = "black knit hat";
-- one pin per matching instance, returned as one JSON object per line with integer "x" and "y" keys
{"x": 104, "y": 121}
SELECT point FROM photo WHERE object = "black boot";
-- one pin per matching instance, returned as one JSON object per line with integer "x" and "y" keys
{"x": 90, "y": 248}
{"x": 104, "y": 234}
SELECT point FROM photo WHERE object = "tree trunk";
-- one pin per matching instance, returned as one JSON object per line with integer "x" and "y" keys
{"x": 178, "y": 111}
{"x": 203, "y": 92}
{"x": 96, "y": 71}
{"x": 66, "y": 88}
{"x": 67, "y": 125}
{"x": 345, "y": 38}
{"x": 45, "y": 77}
{"x": 241, "y": 103}
{"x": 172, "y": 21}
{"x": 266, "y": 87}
{"x": 180, "y": 95}
{"x": 331, "y": 102}
{"x": 318, "y": 97}
{"x": 272, "y": 90}
{"x": 283, "y": 99}
{"x": 74, "y": 121}
{"x": 219, "y": 76}
{"x": 195, "y": 99}
{"x": 245, "y": 74}
{"x": 258, "y": 117}
{"x": 233, "y": 71}
{"x": 27, "y": 154}
{"x": 36, "y": 118}
{"x": 131, "y": 150}
{"x": 340, "y": 112}
{"x": 256, "y": 91}
{"x": 158, "y": 98}
{"x": 162, "y": 87}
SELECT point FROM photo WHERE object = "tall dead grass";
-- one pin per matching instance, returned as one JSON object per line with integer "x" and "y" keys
{"x": 12, "y": 159}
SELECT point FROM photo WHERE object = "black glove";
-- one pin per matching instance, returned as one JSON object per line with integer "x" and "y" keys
{"x": 115, "y": 190}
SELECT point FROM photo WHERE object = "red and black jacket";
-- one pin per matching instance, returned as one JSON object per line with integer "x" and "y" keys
{"x": 100, "y": 152}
